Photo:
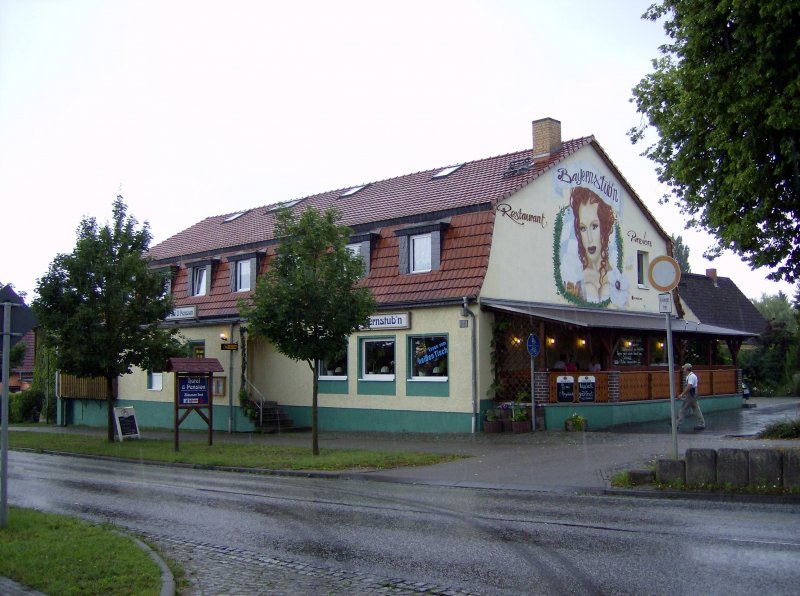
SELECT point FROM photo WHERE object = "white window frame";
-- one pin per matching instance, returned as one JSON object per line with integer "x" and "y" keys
{"x": 199, "y": 280}
{"x": 369, "y": 376}
{"x": 240, "y": 275}
{"x": 338, "y": 374}
{"x": 642, "y": 264}
{"x": 155, "y": 381}
{"x": 423, "y": 240}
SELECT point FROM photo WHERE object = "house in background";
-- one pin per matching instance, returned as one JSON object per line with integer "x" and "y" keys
{"x": 474, "y": 266}
{"x": 21, "y": 377}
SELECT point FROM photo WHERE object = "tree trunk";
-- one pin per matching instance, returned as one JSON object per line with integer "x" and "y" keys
{"x": 110, "y": 401}
{"x": 315, "y": 392}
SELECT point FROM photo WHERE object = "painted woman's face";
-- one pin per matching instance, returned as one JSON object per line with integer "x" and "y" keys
{"x": 589, "y": 226}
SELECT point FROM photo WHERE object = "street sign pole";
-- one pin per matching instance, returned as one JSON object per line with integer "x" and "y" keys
{"x": 671, "y": 387}
{"x": 665, "y": 274}
{"x": 533, "y": 349}
{"x": 4, "y": 413}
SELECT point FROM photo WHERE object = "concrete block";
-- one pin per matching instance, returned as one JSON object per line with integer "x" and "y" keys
{"x": 791, "y": 468}
{"x": 765, "y": 467}
{"x": 640, "y": 477}
{"x": 671, "y": 470}
{"x": 701, "y": 466}
{"x": 732, "y": 467}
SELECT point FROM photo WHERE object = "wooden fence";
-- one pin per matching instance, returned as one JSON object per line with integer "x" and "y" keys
{"x": 72, "y": 387}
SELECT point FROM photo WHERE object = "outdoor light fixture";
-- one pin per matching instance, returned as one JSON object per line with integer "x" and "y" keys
{"x": 515, "y": 341}
{"x": 223, "y": 336}
{"x": 627, "y": 343}
{"x": 551, "y": 341}
{"x": 581, "y": 342}
{"x": 660, "y": 345}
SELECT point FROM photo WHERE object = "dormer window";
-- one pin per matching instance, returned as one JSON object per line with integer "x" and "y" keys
{"x": 420, "y": 258}
{"x": 243, "y": 270}
{"x": 421, "y": 247}
{"x": 199, "y": 278}
{"x": 361, "y": 245}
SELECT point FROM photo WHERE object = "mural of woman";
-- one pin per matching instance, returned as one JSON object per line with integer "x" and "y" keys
{"x": 594, "y": 221}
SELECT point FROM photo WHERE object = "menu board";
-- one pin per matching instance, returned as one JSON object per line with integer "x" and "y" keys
{"x": 586, "y": 388}
{"x": 565, "y": 389}
{"x": 630, "y": 353}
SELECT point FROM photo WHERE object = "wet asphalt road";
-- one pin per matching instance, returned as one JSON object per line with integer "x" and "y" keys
{"x": 251, "y": 534}
{"x": 522, "y": 520}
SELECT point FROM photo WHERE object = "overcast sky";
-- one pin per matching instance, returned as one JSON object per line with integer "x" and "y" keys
{"x": 197, "y": 108}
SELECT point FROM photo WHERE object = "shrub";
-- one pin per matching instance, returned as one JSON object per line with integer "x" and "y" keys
{"x": 25, "y": 406}
{"x": 783, "y": 429}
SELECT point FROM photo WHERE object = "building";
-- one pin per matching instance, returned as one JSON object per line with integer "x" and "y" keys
{"x": 470, "y": 264}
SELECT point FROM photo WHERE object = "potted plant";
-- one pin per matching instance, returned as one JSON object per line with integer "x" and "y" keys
{"x": 576, "y": 423}
{"x": 492, "y": 424}
{"x": 519, "y": 420}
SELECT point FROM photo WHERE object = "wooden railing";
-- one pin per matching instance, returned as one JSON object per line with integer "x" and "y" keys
{"x": 70, "y": 386}
{"x": 636, "y": 385}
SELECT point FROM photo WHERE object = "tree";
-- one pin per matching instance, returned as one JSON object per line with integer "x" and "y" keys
{"x": 724, "y": 98}
{"x": 100, "y": 305}
{"x": 310, "y": 300}
{"x": 681, "y": 253}
{"x": 774, "y": 361}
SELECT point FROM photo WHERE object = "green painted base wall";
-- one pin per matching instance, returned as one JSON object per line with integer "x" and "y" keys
{"x": 606, "y": 415}
{"x": 160, "y": 415}
{"x": 88, "y": 412}
{"x": 358, "y": 419}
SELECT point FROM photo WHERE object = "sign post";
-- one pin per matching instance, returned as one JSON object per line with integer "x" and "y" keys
{"x": 534, "y": 346}
{"x": 665, "y": 274}
{"x": 13, "y": 329}
{"x": 194, "y": 378}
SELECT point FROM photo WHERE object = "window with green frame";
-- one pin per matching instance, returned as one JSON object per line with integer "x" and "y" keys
{"x": 429, "y": 355}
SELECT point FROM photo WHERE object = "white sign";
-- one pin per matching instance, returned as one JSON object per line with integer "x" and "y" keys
{"x": 400, "y": 320}
{"x": 183, "y": 312}
{"x": 664, "y": 273}
{"x": 665, "y": 303}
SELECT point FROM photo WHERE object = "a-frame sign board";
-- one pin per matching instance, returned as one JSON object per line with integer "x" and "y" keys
{"x": 193, "y": 386}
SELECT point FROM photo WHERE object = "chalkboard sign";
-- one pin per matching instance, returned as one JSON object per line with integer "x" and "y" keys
{"x": 586, "y": 388}
{"x": 630, "y": 353}
{"x": 565, "y": 389}
{"x": 127, "y": 428}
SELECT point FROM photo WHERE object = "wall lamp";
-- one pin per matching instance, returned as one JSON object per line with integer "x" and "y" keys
{"x": 223, "y": 336}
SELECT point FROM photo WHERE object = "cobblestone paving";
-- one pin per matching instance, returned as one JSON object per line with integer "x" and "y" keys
{"x": 216, "y": 570}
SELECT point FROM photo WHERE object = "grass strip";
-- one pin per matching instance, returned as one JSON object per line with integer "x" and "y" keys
{"x": 238, "y": 455}
{"x": 55, "y": 554}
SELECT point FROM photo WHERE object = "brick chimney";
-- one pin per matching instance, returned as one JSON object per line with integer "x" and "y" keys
{"x": 712, "y": 275}
{"x": 546, "y": 136}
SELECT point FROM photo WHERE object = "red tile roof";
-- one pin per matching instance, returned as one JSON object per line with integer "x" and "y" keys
{"x": 475, "y": 183}
{"x": 466, "y": 197}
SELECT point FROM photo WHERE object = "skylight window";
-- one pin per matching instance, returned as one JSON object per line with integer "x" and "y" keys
{"x": 284, "y": 204}
{"x": 446, "y": 171}
{"x": 351, "y": 191}
{"x": 233, "y": 216}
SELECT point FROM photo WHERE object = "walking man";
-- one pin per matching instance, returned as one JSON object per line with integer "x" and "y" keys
{"x": 689, "y": 393}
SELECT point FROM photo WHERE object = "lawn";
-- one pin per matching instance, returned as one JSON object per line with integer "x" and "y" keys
{"x": 60, "y": 555}
{"x": 258, "y": 455}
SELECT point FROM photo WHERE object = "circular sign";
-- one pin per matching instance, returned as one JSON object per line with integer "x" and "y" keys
{"x": 664, "y": 273}
{"x": 533, "y": 345}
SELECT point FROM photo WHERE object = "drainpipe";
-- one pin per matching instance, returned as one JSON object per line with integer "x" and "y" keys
{"x": 230, "y": 383}
{"x": 466, "y": 312}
